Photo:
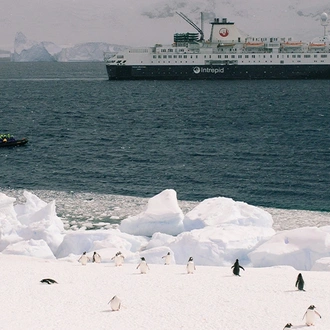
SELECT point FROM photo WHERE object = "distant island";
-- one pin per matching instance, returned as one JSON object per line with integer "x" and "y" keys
{"x": 26, "y": 50}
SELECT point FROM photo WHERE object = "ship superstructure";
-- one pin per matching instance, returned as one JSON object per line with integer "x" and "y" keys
{"x": 227, "y": 54}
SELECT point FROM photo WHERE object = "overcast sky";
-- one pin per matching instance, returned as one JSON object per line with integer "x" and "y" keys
{"x": 145, "y": 22}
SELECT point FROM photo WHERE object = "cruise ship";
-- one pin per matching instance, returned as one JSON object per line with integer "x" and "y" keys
{"x": 227, "y": 54}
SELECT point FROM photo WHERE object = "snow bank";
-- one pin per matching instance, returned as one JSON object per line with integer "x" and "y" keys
{"x": 163, "y": 214}
{"x": 216, "y": 232}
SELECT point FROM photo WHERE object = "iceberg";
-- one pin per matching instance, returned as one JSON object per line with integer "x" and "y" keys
{"x": 26, "y": 50}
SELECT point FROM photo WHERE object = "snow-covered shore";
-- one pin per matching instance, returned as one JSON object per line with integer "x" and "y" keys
{"x": 164, "y": 298}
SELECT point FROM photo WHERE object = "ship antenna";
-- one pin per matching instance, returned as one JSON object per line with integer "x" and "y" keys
{"x": 324, "y": 23}
{"x": 192, "y": 24}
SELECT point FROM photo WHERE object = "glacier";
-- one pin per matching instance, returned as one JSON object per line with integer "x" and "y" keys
{"x": 26, "y": 50}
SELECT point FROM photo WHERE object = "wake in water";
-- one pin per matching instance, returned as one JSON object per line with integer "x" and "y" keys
{"x": 92, "y": 211}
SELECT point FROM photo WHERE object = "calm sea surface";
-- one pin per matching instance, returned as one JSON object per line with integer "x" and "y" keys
{"x": 266, "y": 143}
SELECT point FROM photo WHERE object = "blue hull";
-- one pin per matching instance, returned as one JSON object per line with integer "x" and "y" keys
{"x": 216, "y": 72}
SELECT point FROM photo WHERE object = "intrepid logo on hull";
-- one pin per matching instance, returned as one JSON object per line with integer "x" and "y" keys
{"x": 198, "y": 70}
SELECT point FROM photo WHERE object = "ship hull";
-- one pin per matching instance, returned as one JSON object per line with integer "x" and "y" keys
{"x": 216, "y": 72}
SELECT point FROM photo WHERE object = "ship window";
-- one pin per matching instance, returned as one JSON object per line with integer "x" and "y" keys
{"x": 299, "y": 56}
{"x": 154, "y": 56}
{"x": 246, "y": 56}
{"x": 163, "y": 50}
{"x": 323, "y": 56}
{"x": 293, "y": 56}
{"x": 219, "y": 56}
{"x": 165, "y": 56}
{"x": 180, "y": 56}
{"x": 174, "y": 56}
{"x": 239, "y": 56}
{"x": 307, "y": 56}
{"x": 170, "y": 50}
{"x": 184, "y": 56}
{"x": 287, "y": 56}
{"x": 232, "y": 56}
{"x": 226, "y": 56}
{"x": 253, "y": 56}
{"x": 169, "y": 56}
{"x": 159, "y": 56}
{"x": 315, "y": 56}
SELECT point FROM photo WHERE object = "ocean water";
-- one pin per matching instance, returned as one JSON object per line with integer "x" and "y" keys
{"x": 101, "y": 148}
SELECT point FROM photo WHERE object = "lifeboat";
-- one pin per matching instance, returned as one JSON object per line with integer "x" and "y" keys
{"x": 290, "y": 44}
{"x": 253, "y": 44}
{"x": 316, "y": 45}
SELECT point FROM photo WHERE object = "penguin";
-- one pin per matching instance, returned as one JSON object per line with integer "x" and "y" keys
{"x": 190, "y": 266}
{"x": 300, "y": 282}
{"x": 288, "y": 326}
{"x": 115, "y": 303}
{"x": 96, "y": 257}
{"x": 118, "y": 258}
{"x": 143, "y": 266}
{"x": 167, "y": 258}
{"x": 237, "y": 267}
{"x": 310, "y": 315}
{"x": 84, "y": 259}
{"x": 48, "y": 281}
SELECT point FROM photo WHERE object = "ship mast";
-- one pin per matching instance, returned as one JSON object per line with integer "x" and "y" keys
{"x": 192, "y": 24}
{"x": 324, "y": 23}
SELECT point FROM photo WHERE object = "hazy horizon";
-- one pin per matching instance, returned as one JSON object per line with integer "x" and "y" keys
{"x": 144, "y": 23}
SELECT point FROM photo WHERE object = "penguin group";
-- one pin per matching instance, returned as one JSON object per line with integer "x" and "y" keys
{"x": 311, "y": 313}
{"x": 115, "y": 302}
{"x": 309, "y": 316}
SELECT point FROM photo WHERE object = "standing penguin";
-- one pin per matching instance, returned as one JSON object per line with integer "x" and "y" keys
{"x": 84, "y": 259}
{"x": 167, "y": 258}
{"x": 310, "y": 315}
{"x": 115, "y": 303}
{"x": 236, "y": 267}
{"x": 143, "y": 266}
{"x": 96, "y": 257}
{"x": 118, "y": 258}
{"x": 191, "y": 266}
{"x": 288, "y": 326}
{"x": 300, "y": 282}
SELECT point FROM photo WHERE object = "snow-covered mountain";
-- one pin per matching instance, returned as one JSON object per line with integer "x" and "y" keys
{"x": 26, "y": 50}
{"x": 144, "y": 23}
